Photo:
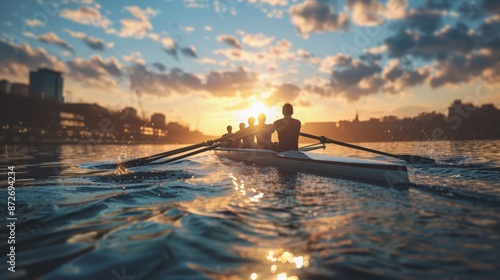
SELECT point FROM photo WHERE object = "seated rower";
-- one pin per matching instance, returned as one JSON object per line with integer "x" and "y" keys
{"x": 263, "y": 136}
{"x": 248, "y": 141}
{"x": 288, "y": 130}
{"x": 228, "y": 143}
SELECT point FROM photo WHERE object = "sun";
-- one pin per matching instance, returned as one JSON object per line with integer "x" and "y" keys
{"x": 256, "y": 108}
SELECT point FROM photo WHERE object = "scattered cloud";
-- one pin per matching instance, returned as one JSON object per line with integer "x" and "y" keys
{"x": 20, "y": 59}
{"x": 137, "y": 27}
{"x": 257, "y": 40}
{"x": 314, "y": 16}
{"x": 189, "y": 52}
{"x": 397, "y": 78}
{"x": 424, "y": 20}
{"x": 230, "y": 83}
{"x": 86, "y": 15}
{"x": 33, "y": 22}
{"x": 356, "y": 79}
{"x": 372, "y": 12}
{"x": 208, "y": 28}
{"x": 95, "y": 72}
{"x": 53, "y": 39}
{"x": 230, "y": 40}
{"x": 92, "y": 42}
{"x": 220, "y": 84}
{"x": 271, "y": 2}
{"x": 160, "y": 66}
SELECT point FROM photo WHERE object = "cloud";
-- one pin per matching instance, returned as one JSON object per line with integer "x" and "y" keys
{"x": 189, "y": 52}
{"x": 313, "y": 16}
{"x": 282, "y": 49}
{"x": 424, "y": 20}
{"x": 53, "y": 39}
{"x": 86, "y": 15}
{"x": 196, "y": 4}
{"x": 92, "y": 42}
{"x": 230, "y": 40}
{"x": 371, "y": 12}
{"x": 219, "y": 84}
{"x": 160, "y": 66}
{"x": 20, "y": 59}
{"x": 260, "y": 58}
{"x": 172, "y": 52}
{"x": 470, "y": 10}
{"x": 397, "y": 78}
{"x": 438, "y": 4}
{"x": 257, "y": 40}
{"x": 95, "y": 72}
{"x": 208, "y": 28}
{"x": 460, "y": 69}
{"x": 33, "y": 22}
{"x": 491, "y": 6}
{"x": 177, "y": 81}
{"x": 271, "y": 2}
{"x": 285, "y": 93}
{"x": 319, "y": 86}
{"x": 230, "y": 83}
{"x": 439, "y": 45}
{"x": 327, "y": 63}
{"x": 356, "y": 80}
{"x": 207, "y": 60}
{"x": 139, "y": 26}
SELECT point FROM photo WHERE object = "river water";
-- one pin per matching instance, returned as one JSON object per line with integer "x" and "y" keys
{"x": 210, "y": 218}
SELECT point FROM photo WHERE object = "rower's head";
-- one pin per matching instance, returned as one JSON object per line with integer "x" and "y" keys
{"x": 242, "y": 125}
{"x": 261, "y": 119}
{"x": 229, "y": 129}
{"x": 251, "y": 121}
{"x": 287, "y": 109}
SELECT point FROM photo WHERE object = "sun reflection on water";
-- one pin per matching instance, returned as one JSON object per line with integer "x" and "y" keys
{"x": 239, "y": 185}
{"x": 283, "y": 263}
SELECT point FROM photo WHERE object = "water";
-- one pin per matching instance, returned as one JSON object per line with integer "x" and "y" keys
{"x": 210, "y": 218}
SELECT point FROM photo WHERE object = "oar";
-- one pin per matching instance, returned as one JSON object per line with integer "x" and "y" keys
{"x": 413, "y": 159}
{"x": 188, "y": 154}
{"x": 149, "y": 159}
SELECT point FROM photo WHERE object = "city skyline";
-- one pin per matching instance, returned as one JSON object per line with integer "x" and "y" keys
{"x": 330, "y": 59}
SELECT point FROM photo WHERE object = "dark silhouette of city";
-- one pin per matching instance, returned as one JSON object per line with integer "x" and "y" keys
{"x": 36, "y": 113}
{"x": 464, "y": 121}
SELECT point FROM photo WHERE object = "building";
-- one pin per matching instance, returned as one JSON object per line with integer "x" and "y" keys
{"x": 4, "y": 86}
{"x": 46, "y": 84}
{"x": 19, "y": 89}
{"x": 158, "y": 120}
{"x": 129, "y": 112}
{"x": 158, "y": 124}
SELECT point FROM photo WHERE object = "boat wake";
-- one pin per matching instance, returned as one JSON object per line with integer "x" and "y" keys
{"x": 460, "y": 194}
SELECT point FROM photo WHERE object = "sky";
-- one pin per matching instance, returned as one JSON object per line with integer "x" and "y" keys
{"x": 208, "y": 64}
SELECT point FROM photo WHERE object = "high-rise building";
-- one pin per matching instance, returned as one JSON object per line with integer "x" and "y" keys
{"x": 4, "y": 86}
{"x": 19, "y": 89}
{"x": 46, "y": 84}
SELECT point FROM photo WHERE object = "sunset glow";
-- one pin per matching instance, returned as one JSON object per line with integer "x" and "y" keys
{"x": 206, "y": 64}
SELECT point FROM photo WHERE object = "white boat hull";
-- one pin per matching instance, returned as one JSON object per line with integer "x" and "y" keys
{"x": 390, "y": 174}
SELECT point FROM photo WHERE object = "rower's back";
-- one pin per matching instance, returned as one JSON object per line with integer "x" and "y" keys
{"x": 288, "y": 133}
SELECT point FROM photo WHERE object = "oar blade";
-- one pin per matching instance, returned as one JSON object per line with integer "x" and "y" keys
{"x": 414, "y": 159}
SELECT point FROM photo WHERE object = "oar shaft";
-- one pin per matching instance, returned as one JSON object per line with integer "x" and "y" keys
{"x": 327, "y": 140}
{"x": 188, "y": 154}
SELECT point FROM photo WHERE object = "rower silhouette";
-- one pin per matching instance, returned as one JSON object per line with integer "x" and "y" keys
{"x": 249, "y": 142}
{"x": 228, "y": 143}
{"x": 263, "y": 136}
{"x": 288, "y": 130}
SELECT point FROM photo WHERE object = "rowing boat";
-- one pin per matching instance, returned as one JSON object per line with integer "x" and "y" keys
{"x": 385, "y": 173}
